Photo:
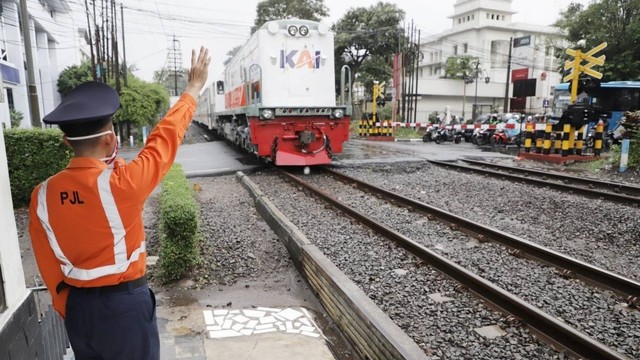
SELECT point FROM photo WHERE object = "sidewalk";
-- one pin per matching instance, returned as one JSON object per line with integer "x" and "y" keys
{"x": 245, "y": 321}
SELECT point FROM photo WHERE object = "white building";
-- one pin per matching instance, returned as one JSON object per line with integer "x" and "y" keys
{"x": 483, "y": 29}
{"x": 58, "y": 39}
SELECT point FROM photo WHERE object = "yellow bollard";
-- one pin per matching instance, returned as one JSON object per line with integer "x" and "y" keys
{"x": 547, "y": 139}
{"x": 572, "y": 140}
{"x": 565, "y": 139}
{"x": 580, "y": 141}
{"x": 597, "y": 148}
{"x": 527, "y": 138}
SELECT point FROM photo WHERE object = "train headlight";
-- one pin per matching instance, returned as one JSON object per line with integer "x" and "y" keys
{"x": 292, "y": 30}
{"x": 303, "y": 30}
{"x": 338, "y": 113}
{"x": 267, "y": 114}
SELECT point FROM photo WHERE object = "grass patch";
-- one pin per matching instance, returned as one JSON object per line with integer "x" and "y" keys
{"x": 407, "y": 133}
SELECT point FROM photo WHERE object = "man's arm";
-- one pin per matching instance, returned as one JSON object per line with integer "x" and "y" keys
{"x": 156, "y": 158}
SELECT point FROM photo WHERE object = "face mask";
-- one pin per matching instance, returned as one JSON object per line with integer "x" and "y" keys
{"x": 108, "y": 160}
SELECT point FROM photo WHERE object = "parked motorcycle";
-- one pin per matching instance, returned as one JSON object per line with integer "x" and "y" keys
{"x": 500, "y": 137}
{"x": 429, "y": 135}
{"x": 482, "y": 136}
{"x": 445, "y": 134}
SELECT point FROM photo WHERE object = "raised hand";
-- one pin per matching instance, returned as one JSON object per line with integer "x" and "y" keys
{"x": 199, "y": 72}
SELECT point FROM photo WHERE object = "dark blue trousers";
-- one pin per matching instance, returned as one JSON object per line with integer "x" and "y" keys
{"x": 109, "y": 326}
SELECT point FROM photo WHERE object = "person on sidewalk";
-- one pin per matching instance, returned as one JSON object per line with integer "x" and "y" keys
{"x": 86, "y": 221}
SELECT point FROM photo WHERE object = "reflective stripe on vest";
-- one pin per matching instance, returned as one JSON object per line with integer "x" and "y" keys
{"x": 117, "y": 229}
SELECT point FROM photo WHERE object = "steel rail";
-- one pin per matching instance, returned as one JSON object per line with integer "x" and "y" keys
{"x": 615, "y": 187}
{"x": 602, "y": 278}
{"x": 554, "y": 330}
{"x": 620, "y": 198}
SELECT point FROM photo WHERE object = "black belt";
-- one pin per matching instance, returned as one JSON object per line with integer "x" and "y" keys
{"x": 123, "y": 286}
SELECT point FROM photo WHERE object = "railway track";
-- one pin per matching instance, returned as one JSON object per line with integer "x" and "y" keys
{"x": 553, "y": 330}
{"x": 611, "y": 191}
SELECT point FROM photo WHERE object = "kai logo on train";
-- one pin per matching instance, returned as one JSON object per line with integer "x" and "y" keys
{"x": 297, "y": 59}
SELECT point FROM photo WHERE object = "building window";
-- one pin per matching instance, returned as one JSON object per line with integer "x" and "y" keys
{"x": 487, "y": 15}
{"x": 455, "y": 49}
{"x": 10, "y": 98}
{"x": 549, "y": 51}
{"x": 3, "y": 301}
{"x": 493, "y": 16}
{"x": 468, "y": 18}
{"x": 465, "y": 48}
{"x": 502, "y": 17}
{"x": 459, "y": 21}
{"x": 473, "y": 16}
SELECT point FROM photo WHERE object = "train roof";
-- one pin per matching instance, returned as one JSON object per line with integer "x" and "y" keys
{"x": 610, "y": 84}
{"x": 283, "y": 23}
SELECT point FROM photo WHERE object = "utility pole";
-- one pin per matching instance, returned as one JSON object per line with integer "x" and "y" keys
{"x": 474, "y": 113}
{"x": 506, "y": 88}
{"x": 124, "y": 48}
{"x": 175, "y": 62}
{"x": 411, "y": 72}
{"x": 114, "y": 37}
{"x": 417, "y": 69}
{"x": 34, "y": 108}
{"x": 405, "y": 63}
{"x": 93, "y": 58}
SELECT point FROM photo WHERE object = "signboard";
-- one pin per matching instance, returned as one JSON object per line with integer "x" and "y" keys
{"x": 519, "y": 74}
{"x": 524, "y": 88}
{"x": 522, "y": 41}
{"x": 523, "y": 51}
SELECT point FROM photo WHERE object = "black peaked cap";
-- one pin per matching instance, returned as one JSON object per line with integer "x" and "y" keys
{"x": 87, "y": 102}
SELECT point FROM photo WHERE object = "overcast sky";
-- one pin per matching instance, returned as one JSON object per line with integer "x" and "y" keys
{"x": 221, "y": 25}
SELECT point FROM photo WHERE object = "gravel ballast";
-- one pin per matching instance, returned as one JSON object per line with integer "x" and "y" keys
{"x": 600, "y": 314}
{"x": 401, "y": 285}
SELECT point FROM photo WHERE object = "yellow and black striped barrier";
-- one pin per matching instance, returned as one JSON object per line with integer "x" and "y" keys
{"x": 539, "y": 138}
{"x": 547, "y": 139}
{"x": 527, "y": 138}
{"x": 580, "y": 141}
{"x": 597, "y": 149}
{"x": 557, "y": 147}
{"x": 566, "y": 134}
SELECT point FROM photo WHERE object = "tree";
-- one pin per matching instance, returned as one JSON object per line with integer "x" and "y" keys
{"x": 615, "y": 21}
{"x": 460, "y": 67}
{"x": 73, "y": 76}
{"x": 166, "y": 78}
{"x": 463, "y": 67}
{"x": 286, "y": 9}
{"x": 16, "y": 118}
{"x": 367, "y": 32}
{"x": 230, "y": 54}
{"x": 142, "y": 103}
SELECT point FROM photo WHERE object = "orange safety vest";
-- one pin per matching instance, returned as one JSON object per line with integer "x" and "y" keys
{"x": 86, "y": 221}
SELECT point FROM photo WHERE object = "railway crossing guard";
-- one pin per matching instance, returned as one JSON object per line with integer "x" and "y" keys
{"x": 572, "y": 119}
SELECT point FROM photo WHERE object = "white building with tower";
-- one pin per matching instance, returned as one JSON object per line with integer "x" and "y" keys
{"x": 483, "y": 29}
{"x": 59, "y": 39}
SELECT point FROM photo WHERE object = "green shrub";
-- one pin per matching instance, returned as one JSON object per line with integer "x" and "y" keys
{"x": 33, "y": 155}
{"x": 16, "y": 118}
{"x": 179, "y": 226}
